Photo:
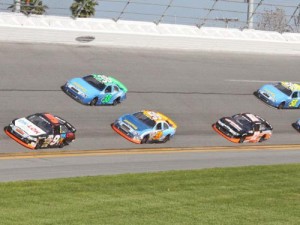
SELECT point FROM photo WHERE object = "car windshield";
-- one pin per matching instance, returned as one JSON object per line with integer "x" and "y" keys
{"x": 41, "y": 122}
{"x": 243, "y": 122}
{"x": 283, "y": 89}
{"x": 95, "y": 83}
{"x": 141, "y": 116}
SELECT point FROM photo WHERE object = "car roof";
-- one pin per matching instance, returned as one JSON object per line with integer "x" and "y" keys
{"x": 159, "y": 117}
{"x": 291, "y": 86}
{"x": 253, "y": 118}
{"x": 108, "y": 80}
{"x": 51, "y": 118}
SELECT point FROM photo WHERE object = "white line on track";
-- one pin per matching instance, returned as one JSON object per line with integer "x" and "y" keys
{"x": 260, "y": 81}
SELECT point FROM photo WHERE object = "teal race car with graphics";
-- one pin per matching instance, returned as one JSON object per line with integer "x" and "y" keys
{"x": 96, "y": 89}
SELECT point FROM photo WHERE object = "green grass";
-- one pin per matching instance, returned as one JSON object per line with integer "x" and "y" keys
{"x": 249, "y": 195}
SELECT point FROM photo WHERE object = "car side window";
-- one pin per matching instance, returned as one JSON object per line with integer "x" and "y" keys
{"x": 256, "y": 127}
{"x": 108, "y": 89}
{"x": 166, "y": 126}
{"x": 158, "y": 126}
{"x": 56, "y": 129}
{"x": 63, "y": 129}
{"x": 262, "y": 127}
{"x": 295, "y": 94}
{"x": 116, "y": 89}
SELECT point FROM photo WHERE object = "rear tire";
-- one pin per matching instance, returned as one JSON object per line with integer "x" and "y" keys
{"x": 166, "y": 139}
{"x": 116, "y": 101}
{"x": 94, "y": 102}
{"x": 262, "y": 138}
{"x": 62, "y": 145}
{"x": 145, "y": 139}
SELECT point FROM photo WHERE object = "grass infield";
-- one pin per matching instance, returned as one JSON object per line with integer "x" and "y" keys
{"x": 247, "y": 195}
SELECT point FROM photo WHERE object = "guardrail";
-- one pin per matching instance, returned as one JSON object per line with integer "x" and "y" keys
{"x": 65, "y": 30}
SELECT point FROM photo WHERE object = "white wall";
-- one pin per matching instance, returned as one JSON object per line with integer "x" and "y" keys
{"x": 64, "y": 30}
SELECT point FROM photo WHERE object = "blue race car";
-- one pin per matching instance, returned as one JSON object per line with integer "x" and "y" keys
{"x": 282, "y": 95}
{"x": 145, "y": 126}
{"x": 96, "y": 89}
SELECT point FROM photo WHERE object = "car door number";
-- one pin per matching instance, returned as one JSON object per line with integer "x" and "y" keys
{"x": 293, "y": 103}
{"x": 106, "y": 99}
{"x": 157, "y": 135}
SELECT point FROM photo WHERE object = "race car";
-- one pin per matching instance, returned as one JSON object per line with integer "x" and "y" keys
{"x": 243, "y": 127}
{"x": 41, "y": 130}
{"x": 296, "y": 125}
{"x": 282, "y": 95}
{"x": 96, "y": 89}
{"x": 145, "y": 127}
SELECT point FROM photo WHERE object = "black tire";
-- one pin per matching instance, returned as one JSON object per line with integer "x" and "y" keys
{"x": 145, "y": 139}
{"x": 242, "y": 139}
{"x": 94, "y": 102}
{"x": 166, "y": 139}
{"x": 39, "y": 144}
{"x": 116, "y": 101}
{"x": 262, "y": 138}
{"x": 62, "y": 144}
{"x": 281, "y": 105}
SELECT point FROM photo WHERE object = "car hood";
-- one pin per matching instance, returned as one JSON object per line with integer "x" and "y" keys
{"x": 272, "y": 91}
{"x": 81, "y": 85}
{"x": 28, "y": 127}
{"x": 135, "y": 123}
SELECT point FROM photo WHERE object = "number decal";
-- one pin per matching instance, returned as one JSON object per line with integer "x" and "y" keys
{"x": 158, "y": 135}
{"x": 106, "y": 99}
{"x": 293, "y": 103}
{"x": 55, "y": 140}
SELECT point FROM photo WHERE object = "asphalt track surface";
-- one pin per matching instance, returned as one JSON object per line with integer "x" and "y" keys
{"x": 195, "y": 89}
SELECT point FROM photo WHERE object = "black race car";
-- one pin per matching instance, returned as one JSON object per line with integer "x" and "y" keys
{"x": 41, "y": 130}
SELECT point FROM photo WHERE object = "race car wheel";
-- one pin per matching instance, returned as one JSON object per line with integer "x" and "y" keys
{"x": 167, "y": 138}
{"x": 39, "y": 144}
{"x": 263, "y": 138}
{"x": 145, "y": 139}
{"x": 242, "y": 139}
{"x": 94, "y": 102}
{"x": 116, "y": 101}
{"x": 281, "y": 105}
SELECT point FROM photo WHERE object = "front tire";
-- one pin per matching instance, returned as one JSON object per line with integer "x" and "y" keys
{"x": 242, "y": 139}
{"x": 94, "y": 102}
{"x": 281, "y": 105}
{"x": 145, "y": 139}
